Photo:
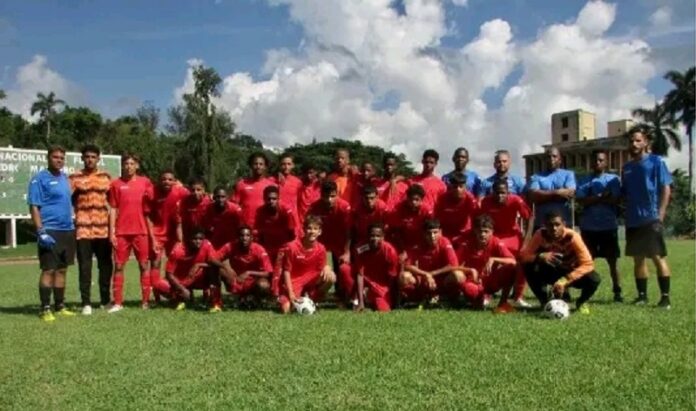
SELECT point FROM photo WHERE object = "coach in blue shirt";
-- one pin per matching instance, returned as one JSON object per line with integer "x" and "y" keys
{"x": 600, "y": 194}
{"x": 49, "y": 199}
{"x": 460, "y": 159}
{"x": 646, "y": 191}
{"x": 553, "y": 189}
{"x": 501, "y": 163}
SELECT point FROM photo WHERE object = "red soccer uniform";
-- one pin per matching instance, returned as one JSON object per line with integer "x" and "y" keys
{"x": 191, "y": 213}
{"x": 222, "y": 226}
{"x": 505, "y": 217}
{"x": 346, "y": 185}
{"x": 432, "y": 258}
{"x": 455, "y": 214}
{"x": 131, "y": 199}
{"x": 253, "y": 259}
{"x": 379, "y": 267}
{"x": 471, "y": 255}
{"x": 180, "y": 262}
{"x": 309, "y": 193}
{"x": 304, "y": 266}
{"x": 406, "y": 225}
{"x": 248, "y": 193}
{"x": 391, "y": 196}
{"x": 289, "y": 190}
{"x": 163, "y": 214}
{"x": 274, "y": 229}
{"x": 362, "y": 218}
{"x": 335, "y": 224}
{"x": 433, "y": 187}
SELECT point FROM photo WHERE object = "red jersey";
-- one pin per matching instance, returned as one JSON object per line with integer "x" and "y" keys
{"x": 289, "y": 190}
{"x": 222, "y": 226}
{"x": 335, "y": 232}
{"x": 362, "y": 218}
{"x": 471, "y": 255}
{"x": 432, "y": 258}
{"x": 248, "y": 193}
{"x": 253, "y": 259}
{"x": 180, "y": 261}
{"x": 164, "y": 210}
{"x": 433, "y": 187}
{"x": 406, "y": 225}
{"x": 505, "y": 215}
{"x": 191, "y": 213}
{"x": 455, "y": 214}
{"x": 309, "y": 193}
{"x": 391, "y": 196}
{"x": 274, "y": 229}
{"x": 346, "y": 185}
{"x": 379, "y": 267}
{"x": 302, "y": 262}
{"x": 131, "y": 198}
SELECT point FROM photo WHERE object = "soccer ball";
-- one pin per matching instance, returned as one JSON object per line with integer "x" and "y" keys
{"x": 305, "y": 306}
{"x": 557, "y": 309}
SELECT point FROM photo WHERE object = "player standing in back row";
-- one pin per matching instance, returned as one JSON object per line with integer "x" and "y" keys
{"x": 646, "y": 191}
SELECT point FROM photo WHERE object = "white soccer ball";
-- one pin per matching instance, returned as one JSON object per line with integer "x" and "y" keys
{"x": 305, "y": 306}
{"x": 557, "y": 309}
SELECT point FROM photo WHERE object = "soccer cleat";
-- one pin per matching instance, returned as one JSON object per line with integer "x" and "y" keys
{"x": 47, "y": 316}
{"x": 87, "y": 310}
{"x": 144, "y": 306}
{"x": 504, "y": 308}
{"x": 521, "y": 303}
{"x": 64, "y": 312}
{"x": 114, "y": 308}
{"x": 181, "y": 306}
{"x": 215, "y": 309}
{"x": 664, "y": 303}
{"x": 486, "y": 301}
{"x": 640, "y": 300}
{"x": 584, "y": 309}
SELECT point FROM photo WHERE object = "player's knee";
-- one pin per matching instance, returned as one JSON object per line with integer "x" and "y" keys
{"x": 456, "y": 276}
{"x": 263, "y": 285}
{"x": 471, "y": 290}
{"x": 406, "y": 279}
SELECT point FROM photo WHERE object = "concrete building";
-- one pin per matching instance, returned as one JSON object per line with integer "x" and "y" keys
{"x": 573, "y": 132}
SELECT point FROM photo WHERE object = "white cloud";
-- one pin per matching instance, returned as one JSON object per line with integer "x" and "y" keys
{"x": 37, "y": 77}
{"x": 661, "y": 18}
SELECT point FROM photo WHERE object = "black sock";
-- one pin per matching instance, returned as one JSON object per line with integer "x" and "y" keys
{"x": 642, "y": 286}
{"x": 617, "y": 290}
{"x": 663, "y": 282}
{"x": 59, "y": 297}
{"x": 45, "y": 297}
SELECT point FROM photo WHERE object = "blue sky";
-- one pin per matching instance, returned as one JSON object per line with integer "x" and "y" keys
{"x": 125, "y": 52}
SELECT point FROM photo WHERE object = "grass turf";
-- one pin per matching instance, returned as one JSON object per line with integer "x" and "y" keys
{"x": 619, "y": 357}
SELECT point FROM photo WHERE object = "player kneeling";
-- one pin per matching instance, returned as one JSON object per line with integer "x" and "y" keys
{"x": 557, "y": 255}
{"x": 303, "y": 266}
{"x": 431, "y": 269}
{"x": 188, "y": 268}
{"x": 377, "y": 267}
{"x": 249, "y": 269}
{"x": 488, "y": 264}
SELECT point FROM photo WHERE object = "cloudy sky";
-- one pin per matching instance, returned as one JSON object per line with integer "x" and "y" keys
{"x": 403, "y": 74}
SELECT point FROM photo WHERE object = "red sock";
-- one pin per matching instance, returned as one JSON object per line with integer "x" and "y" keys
{"x": 117, "y": 286}
{"x": 145, "y": 288}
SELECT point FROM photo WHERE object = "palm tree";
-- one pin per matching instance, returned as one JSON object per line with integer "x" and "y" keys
{"x": 660, "y": 126}
{"x": 679, "y": 102}
{"x": 45, "y": 105}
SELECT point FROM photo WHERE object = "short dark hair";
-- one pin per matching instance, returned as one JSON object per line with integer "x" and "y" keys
{"x": 257, "y": 154}
{"x": 460, "y": 149}
{"x": 415, "y": 190}
{"x": 639, "y": 128}
{"x": 389, "y": 156}
{"x": 90, "y": 148}
{"x": 595, "y": 153}
{"x": 312, "y": 219}
{"x": 287, "y": 155}
{"x": 501, "y": 182}
{"x": 243, "y": 227}
{"x": 197, "y": 180}
{"x": 431, "y": 223}
{"x": 502, "y": 153}
{"x": 328, "y": 186}
{"x": 167, "y": 171}
{"x": 483, "y": 221}
{"x": 270, "y": 189}
{"x": 130, "y": 156}
{"x": 197, "y": 230}
{"x": 554, "y": 213}
{"x": 376, "y": 224}
{"x": 53, "y": 149}
{"x": 306, "y": 167}
{"x": 431, "y": 153}
{"x": 369, "y": 189}
{"x": 457, "y": 179}
{"x": 220, "y": 187}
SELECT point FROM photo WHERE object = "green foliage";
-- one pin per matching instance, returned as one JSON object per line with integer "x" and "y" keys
{"x": 660, "y": 127}
{"x": 45, "y": 105}
{"x": 681, "y": 212}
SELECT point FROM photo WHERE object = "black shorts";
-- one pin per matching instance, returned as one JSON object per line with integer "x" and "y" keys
{"x": 646, "y": 241}
{"x": 602, "y": 244}
{"x": 62, "y": 254}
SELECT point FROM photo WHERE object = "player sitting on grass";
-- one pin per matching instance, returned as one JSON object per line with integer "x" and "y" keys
{"x": 188, "y": 268}
{"x": 376, "y": 267}
{"x": 556, "y": 255}
{"x": 431, "y": 267}
{"x": 248, "y": 272}
{"x": 303, "y": 267}
{"x": 488, "y": 265}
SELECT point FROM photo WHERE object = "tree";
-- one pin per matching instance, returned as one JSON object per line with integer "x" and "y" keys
{"x": 681, "y": 213}
{"x": 679, "y": 103}
{"x": 2, "y": 94}
{"x": 148, "y": 115}
{"x": 660, "y": 126}
{"x": 45, "y": 105}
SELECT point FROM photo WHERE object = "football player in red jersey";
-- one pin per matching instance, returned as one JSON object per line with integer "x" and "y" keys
{"x": 369, "y": 211}
{"x": 248, "y": 192}
{"x": 222, "y": 218}
{"x": 432, "y": 184}
{"x": 288, "y": 184}
{"x": 376, "y": 267}
{"x": 406, "y": 220}
{"x": 455, "y": 209}
{"x": 303, "y": 267}
{"x": 344, "y": 175}
{"x": 392, "y": 187}
{"x": 309, "y": 192}
{"x": 275, "y": 223}
{"x": 192, "y": 208}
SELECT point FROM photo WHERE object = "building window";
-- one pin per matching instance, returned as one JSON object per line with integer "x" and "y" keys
{"x": 564, "y": 122}
{"x": 564, "y": 137}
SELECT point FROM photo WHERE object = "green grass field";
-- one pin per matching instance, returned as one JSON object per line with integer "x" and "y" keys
{"x": 619, "y": 357}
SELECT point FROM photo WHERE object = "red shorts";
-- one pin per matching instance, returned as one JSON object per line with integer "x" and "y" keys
{"x": 139, "y": 243}
{"x": 500, "y": 278}
{"x": 241, "y": 289}
{"x": 301, "y": 286}
{"x": 378, "y": 301}
{"x": 166, "y": 245}
{"x": 200, "y": 281}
